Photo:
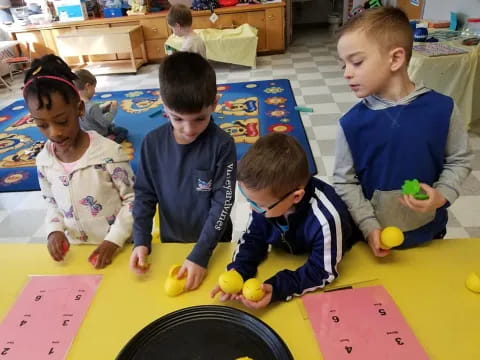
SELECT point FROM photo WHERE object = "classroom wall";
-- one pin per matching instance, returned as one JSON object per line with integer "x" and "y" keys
{"x": 440, "y": 9}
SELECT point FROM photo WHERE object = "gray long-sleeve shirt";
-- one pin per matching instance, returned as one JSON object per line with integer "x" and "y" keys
{"x": 194, "y": 186}
{"x": 97, "y": 119}
{"x": 457, "y": 166}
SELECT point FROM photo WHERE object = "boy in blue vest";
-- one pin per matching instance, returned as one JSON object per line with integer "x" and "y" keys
{"x": 292, "y": 211}
{"x": 399, "y": 131}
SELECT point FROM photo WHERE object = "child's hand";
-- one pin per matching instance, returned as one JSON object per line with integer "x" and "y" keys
{"x": 223, "y": 296}
{"x": 103, "y": 254}
{"x": 138, "y": 260}
{"x": 263, "y": 302}
{"x": 195, "y": 274}
{"x": 374, "y": 242}
{"x": 55, "y": 245}
{"x": 434, "y": 201}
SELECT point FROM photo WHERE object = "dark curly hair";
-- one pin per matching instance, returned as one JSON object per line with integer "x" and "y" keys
{"x": 42, "y": 88}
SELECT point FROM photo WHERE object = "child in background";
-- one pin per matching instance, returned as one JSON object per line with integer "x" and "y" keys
{"x": 399, "y": 131}
{"x": 187, "y": 167}
{"x": 85, "y": 178}
{"x": 179, "y": 19}
{"x": 293, "y": 211}
{"x": 97, "y": 118}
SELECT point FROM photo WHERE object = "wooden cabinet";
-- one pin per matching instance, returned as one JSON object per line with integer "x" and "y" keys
{"x": 155, "y": 32}
{"x": 155, "y": 28}
{"x": 275, "y": 28}
{"x": 268, "y": 19}
{"x": 155, "y": 49}
{"x": 224, "y": 21}
{"x": 257, "y": 20}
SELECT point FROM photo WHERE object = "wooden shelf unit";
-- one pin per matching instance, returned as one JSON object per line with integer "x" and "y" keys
{"x": 111, "y": 40}
{"x": 269, "y": 19}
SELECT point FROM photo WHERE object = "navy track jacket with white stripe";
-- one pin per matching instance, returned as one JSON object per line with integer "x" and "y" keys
{"x": 320, "y": 226}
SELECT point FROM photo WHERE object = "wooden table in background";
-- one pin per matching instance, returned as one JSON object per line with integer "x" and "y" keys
{"x": 114, "y": 40}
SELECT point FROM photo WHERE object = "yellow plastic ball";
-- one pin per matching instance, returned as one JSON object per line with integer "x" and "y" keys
{"x": 390, "y": 237}
{"x": 252, "y": 290}
{"x": 473, "y": 282}
{"x": 174, "y": 286}
{"x": 230, "y": 282}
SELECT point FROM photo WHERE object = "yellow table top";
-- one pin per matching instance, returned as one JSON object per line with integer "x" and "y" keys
{"x": 427, "y": 284}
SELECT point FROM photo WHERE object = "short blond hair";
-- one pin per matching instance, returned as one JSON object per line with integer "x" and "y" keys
{"x": 84, "y": 77}
{"x": 388, "y": 26}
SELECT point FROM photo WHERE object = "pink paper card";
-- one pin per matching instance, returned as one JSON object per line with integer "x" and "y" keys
{"x": 45, "y": 318}
{"x": 361, "y": 324}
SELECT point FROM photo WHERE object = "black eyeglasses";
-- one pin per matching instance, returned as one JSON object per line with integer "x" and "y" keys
{"x": 260, "y": 210}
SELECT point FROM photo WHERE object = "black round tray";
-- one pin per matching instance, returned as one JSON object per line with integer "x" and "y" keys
{"x": 207, "y": 332}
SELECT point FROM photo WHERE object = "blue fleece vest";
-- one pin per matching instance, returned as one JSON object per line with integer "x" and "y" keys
{"x": 401, "y": 142}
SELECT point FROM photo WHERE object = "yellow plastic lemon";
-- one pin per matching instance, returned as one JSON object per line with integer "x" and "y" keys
{"x": 174, "y": 286}
{"x": 244, "y": 358}
{"x": 391, "y": 236}
{"x": 230, "y": 282}
{"x": 473, "y": 282}
{"x": 252, "y": 290}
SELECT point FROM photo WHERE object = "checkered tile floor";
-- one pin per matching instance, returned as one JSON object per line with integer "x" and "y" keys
{"x": 317, "y": 82}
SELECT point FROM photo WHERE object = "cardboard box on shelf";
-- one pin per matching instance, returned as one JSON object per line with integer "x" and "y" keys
{"x": 71, "y": 10}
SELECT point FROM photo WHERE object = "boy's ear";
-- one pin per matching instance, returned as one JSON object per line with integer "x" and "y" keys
{"x": 298, "y": 195}
{"x": 397, "y": 58}
{"x": 213, "y": 107}
{"x": 216, "y": 101}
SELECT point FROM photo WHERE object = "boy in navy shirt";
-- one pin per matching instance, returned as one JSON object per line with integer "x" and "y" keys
{"x": 293, "y": 211}
{"x": 187, "y": 167}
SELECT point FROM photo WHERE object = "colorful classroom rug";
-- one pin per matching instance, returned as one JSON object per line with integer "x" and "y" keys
{"x": 245, "y": 110}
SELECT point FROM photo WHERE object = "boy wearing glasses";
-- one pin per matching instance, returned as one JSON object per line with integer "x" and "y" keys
{"x": 291, "y": 210}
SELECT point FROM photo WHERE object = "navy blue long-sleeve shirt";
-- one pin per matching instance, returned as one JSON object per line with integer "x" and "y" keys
{"x": 194, "y": 186}
{"x": 320, "y": 226}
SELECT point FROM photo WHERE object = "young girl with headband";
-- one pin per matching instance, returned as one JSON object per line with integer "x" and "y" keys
{"x": 85, "y": 178}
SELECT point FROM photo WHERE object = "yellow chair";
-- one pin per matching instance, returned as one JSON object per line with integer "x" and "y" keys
{"x": 156, "y": 228}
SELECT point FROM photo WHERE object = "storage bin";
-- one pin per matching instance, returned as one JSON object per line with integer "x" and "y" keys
{"x": 113, "y": 12}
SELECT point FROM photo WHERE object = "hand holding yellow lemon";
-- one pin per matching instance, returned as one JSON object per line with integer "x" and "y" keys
{"x": 174, "y": 286}
{"x": 390, "y": 237}
{"x": 252, "y": 290}
{"x": 230, "y": 282}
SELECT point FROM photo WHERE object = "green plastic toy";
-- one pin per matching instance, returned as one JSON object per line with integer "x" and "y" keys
{"x": 303, "y": 109}
{"x": 412, "y": 187}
